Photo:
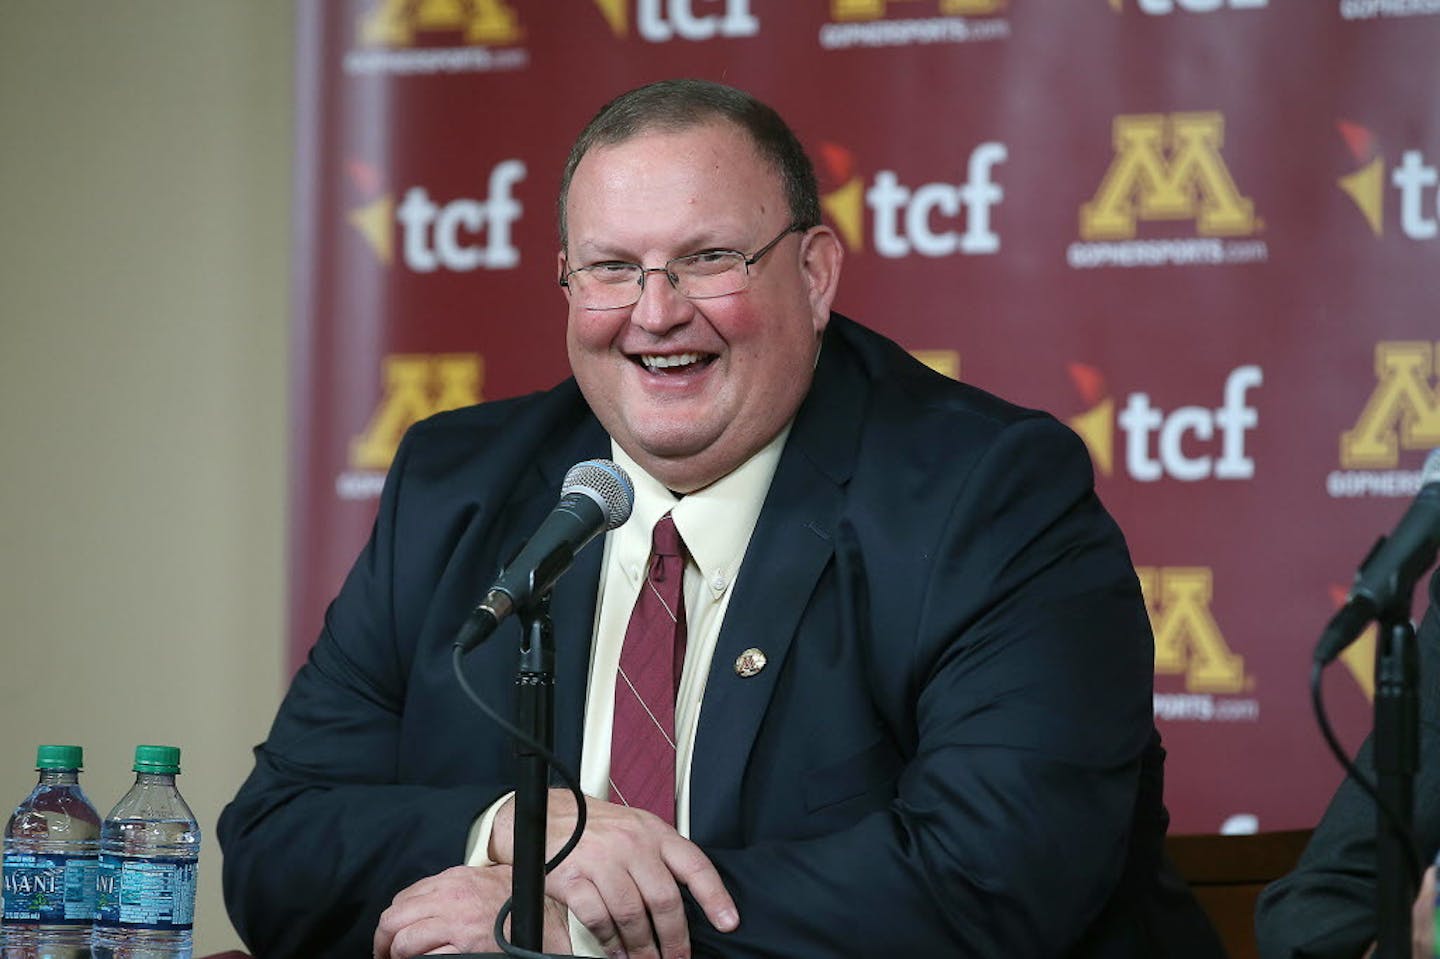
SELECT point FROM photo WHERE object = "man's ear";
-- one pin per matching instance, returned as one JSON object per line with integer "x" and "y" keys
{"x": 820, "y": 258}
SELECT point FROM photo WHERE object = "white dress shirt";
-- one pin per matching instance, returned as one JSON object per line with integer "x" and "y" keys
{"x": 715, "y": 524}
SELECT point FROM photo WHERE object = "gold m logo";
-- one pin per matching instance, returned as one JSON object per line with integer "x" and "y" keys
{"x": 1167, "y": 168}
{"x": 1187, "y": 638}
{"x": 875, "y": 9}
{"x": 944, "y": 362}
{"x": 1402, "y": 412}
{"x": 394, "y": 23}
{"x": 417, "y": 385}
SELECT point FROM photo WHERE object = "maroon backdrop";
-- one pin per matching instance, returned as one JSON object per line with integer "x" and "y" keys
{"x": 1203, "y": 232}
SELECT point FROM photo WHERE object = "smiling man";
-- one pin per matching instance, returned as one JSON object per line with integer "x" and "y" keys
{"x": 868, "y": 674}
{"x": 692, "y": 386}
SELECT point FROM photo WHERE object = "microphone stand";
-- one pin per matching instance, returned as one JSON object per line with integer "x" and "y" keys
{"x": 1396, "y": 762}
{"x": 535, "y": 714}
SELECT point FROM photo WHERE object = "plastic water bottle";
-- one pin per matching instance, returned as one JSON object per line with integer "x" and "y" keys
{"x": 149, "y": 851}
{"x": 50, "y": 847}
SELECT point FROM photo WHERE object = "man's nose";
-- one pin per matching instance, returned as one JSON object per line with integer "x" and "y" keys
{"x": 661, "y": 307}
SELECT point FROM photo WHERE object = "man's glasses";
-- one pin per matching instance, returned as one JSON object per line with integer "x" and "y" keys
{"x": 613, "y": 285}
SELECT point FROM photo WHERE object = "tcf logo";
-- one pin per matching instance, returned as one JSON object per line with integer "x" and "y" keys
{"x": 1417, "y": 182}
{"x": 460, "y": 234}
{"x": 1160, "y": 8}
{"x": 1179, "y": 444}
{"x": 921, "y": 218}
{"x": 659, "y": 21}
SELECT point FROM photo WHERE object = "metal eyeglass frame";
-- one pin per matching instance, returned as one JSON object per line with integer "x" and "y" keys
{"x": 746, "y": 260}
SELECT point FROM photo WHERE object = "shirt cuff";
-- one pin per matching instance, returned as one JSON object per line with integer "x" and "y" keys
{"x": 477, "y": 849}
{"x": 582, "y": 941}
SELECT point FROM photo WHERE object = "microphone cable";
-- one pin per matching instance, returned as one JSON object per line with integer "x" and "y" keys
{"x": 1392, "y": 818}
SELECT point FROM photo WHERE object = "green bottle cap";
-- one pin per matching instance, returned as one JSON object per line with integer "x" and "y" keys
{"x": 157, "y": 759}
{"x": 59, "y": 757}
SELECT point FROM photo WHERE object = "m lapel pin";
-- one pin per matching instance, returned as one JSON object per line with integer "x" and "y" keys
{"x": 749, "y": 663}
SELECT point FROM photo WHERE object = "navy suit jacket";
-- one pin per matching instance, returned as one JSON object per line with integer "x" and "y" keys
{"x": 950, "y": 752}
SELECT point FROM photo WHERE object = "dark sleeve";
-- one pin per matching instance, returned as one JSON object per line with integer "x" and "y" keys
{"x": 1010, "y": 825}
{"x": 324, "y": 832}
{"x": 1325, "y": 908}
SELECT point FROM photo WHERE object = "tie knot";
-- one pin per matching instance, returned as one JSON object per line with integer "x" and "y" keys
{"x": 665, "y": 539}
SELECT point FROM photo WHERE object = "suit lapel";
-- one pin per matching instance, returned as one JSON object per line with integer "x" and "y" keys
{"x": 792, "y": 544}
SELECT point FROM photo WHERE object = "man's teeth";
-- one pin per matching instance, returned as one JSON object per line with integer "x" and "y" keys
{"x": 665, "y": 362}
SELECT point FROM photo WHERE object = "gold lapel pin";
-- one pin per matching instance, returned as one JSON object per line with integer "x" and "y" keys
{"x": 749, "y": 663}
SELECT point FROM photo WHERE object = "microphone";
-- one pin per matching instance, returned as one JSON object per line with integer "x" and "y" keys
{"x": 596, "y": 496}
{"x": 1391, "y": 569}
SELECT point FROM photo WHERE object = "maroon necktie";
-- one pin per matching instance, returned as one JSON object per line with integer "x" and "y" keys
{"x": 642, "y": 737}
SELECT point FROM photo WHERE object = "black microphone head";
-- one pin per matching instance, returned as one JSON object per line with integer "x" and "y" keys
{"x": 606, "y": 484}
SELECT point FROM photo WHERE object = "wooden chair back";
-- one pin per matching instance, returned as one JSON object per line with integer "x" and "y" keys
{"x": 1227, "y": 874}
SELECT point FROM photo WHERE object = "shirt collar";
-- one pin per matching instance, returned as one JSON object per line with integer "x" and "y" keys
{"x": 715, "y": 522}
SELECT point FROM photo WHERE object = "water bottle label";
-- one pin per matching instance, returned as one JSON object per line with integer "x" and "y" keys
{"x": 145, "y": 893}
{"x": 49, "y": 889}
